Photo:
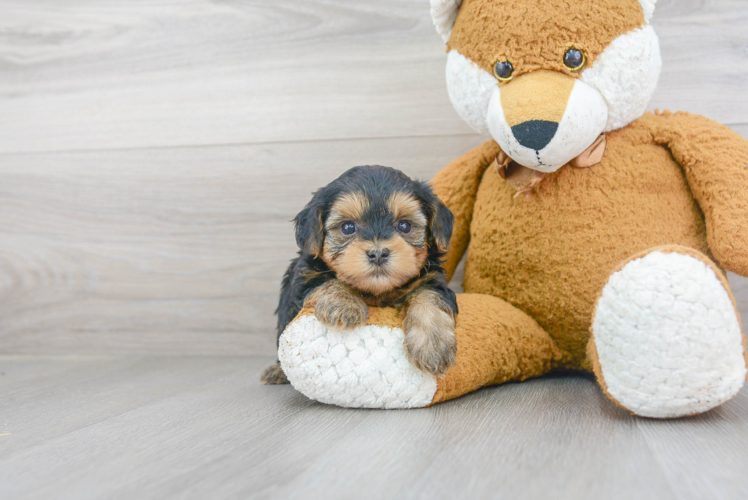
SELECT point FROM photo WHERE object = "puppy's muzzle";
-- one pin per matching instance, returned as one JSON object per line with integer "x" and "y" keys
{"x": 378, "y": 256}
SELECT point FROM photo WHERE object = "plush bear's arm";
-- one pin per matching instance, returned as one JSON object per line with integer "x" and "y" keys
{"x": 456, "y": 186}
{"x": 715, "y": 160}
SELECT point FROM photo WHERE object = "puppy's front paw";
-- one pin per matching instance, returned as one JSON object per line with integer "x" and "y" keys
{"x": 342, "y": 312}
{"x": 430, "y": 343}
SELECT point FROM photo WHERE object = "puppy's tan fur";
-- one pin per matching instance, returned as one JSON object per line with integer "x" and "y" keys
{"x": 349, "y": 207}
{"x": 406, "y": 206}
{"x": 353, "y": 267}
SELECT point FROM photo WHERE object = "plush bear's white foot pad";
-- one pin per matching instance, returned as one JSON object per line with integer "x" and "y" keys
{"x": 361, "y": 368}
{"x": 668, "y": 338}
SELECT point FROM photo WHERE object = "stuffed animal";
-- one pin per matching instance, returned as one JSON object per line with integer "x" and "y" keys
{"x": 597, "y": 235}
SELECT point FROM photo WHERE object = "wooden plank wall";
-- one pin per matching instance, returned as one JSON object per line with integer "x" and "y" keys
{"x": 153, "y": 152}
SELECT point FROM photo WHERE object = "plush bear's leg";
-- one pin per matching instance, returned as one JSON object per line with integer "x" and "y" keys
{"x": 666, "y": 338}
{"x": 496, "y": 343}
{"x": 367, "y": 366}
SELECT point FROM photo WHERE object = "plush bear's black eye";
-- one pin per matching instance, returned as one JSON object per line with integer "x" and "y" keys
{"x": 503, "y": 70}
{"x": 403, "y": 226}
{"x": 348, "y": 228}
{"x": 574, "y": 59}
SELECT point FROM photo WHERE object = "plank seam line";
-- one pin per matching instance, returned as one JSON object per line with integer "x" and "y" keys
{"x": 230, "y": 144}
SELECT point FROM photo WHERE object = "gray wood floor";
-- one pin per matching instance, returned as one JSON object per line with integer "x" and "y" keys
{"x": 152, "y": 153}
{"x": 201, "y": 427}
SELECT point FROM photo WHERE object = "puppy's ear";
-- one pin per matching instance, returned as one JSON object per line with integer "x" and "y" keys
{"x": 442, "y": 223}
{"x": 441, "y": 220}
{"x": 310, "y": 228}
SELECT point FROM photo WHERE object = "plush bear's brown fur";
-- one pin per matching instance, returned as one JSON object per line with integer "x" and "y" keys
{"x": 668, "y": 179}
{"x": 487, "y": 31}
{"x": 551, "y": 252}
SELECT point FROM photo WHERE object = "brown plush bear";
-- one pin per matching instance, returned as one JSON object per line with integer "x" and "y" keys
{"x": 596, "y": 234}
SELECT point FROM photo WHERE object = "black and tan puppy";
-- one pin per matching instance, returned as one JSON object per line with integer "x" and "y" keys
{"x": 374, "y": 237}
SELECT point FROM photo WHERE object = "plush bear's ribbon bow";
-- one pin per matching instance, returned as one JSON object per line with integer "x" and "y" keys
{"x": 524, "y": 179}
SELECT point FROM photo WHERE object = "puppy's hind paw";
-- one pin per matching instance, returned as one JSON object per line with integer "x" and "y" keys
{"x": 273, "y": 375}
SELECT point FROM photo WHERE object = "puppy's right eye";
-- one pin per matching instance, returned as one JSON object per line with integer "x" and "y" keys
{"x": 348, "y": 228}
{"x": 403, "y": 226}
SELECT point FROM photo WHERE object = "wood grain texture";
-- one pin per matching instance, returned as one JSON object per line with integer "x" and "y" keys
{"x": 153, "y": 152}
{"x": 112, "y": 74}
{"x": 174, "y": 250}
{"x": 202, "y": 427}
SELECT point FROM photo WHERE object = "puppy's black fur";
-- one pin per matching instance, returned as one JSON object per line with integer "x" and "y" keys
{"x": 309, "y": 271}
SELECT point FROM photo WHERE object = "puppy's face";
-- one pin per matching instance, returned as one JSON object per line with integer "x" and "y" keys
{"x": 375, "y": 227}
{"x": 376, "y": 242}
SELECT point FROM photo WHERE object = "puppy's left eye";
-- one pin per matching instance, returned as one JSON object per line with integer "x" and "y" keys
{"x": 348, "y": 228}
{"x": 403, "y": 226}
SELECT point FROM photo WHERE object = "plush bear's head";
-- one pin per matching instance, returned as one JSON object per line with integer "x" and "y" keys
{"x": 546, "y": 77}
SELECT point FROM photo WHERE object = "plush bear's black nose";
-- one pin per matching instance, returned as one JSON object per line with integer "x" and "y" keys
{"x": 535, "y": 134}
{"x": 378, "y": 256}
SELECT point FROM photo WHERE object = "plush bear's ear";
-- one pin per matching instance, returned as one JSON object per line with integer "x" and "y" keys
{"x": 310, "y": 228}
{"x": 441, "y": 220}
{"x": 648, "y": 6}
{"x": 444, "y": 13}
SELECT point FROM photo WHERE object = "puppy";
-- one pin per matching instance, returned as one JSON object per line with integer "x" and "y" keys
{"x": 374, "y": 237}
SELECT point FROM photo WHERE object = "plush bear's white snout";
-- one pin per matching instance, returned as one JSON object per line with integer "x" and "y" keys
{"x": 542, "y": 125}
{"x": 615, "y": 89}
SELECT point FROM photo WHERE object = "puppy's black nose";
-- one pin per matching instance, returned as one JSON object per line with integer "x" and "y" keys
{"x": 378, "y": 256}
{"x": 535, "y": 134}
